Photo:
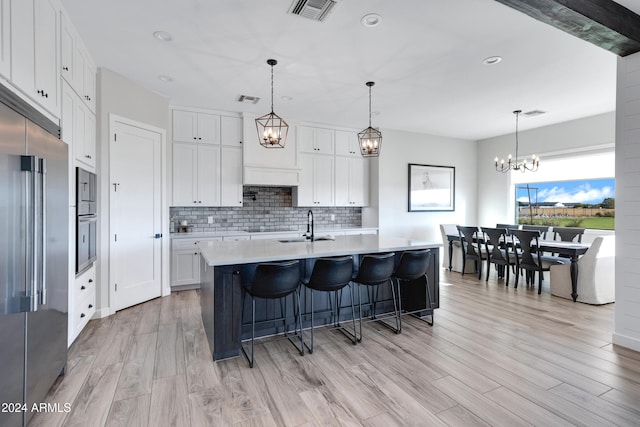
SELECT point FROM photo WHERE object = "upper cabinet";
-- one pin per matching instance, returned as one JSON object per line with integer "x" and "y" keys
{"x": 347, "y": 143}
{"x": 231, "y": 131}
{"x": 5, "y": 39}
{"x": 191, "y": 126}
{"x": 315, "y": 140}
{"x": 76, "y": 66}
{"x": 35, "y": 51}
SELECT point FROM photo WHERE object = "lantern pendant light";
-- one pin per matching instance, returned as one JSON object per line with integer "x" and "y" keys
{"x": 370, "y": 139}
{"x": 272, "y": 129}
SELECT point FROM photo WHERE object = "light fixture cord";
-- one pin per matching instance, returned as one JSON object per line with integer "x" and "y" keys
{"x": 272, "y": 89}
{"x": 517, "y": 115}
{"x": 369, "y": 106}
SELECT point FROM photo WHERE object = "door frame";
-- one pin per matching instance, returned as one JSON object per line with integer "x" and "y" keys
{"x": 164, "y": 206}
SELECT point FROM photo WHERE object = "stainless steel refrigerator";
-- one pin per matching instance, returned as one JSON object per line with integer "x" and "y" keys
{"x": 34, "y": 239}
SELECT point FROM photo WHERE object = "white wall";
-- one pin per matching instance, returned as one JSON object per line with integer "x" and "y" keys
{"x": 495, "y": 195}
{"x": 627, "y": 316}
{"x": 120, "y": 96}
{"x": 400, "y": 148}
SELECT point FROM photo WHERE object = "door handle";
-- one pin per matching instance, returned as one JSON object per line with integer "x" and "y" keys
{"x": 43, "y": 230}
{"x": 157, "y": 236}
{"x": 29, "y": 164}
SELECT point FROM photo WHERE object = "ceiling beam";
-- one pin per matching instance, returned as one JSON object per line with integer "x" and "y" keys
{"x": 604, "y": 23}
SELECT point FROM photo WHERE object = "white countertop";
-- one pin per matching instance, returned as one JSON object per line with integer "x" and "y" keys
{"x": 252, "y": 251}
{"x": 205, "y": 234}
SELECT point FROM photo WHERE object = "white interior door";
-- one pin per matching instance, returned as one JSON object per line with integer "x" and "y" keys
{"x": 135, "y": 227}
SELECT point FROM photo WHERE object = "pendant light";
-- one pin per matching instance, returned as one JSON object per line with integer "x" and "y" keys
{"x": 370, "y": 139}
{"x": 272, "y": 129}
{"x": 515, "y": 164}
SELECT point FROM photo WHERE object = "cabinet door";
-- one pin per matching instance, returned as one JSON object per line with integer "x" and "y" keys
{"x": 306, "y": 139}
{"x": 5, "y": 39}
{"x": 358, "y": 182}
{"x": 88, "y": 82}
{"x": 231, "y": 176}
{"x": 185, "y": 267}
{"x": 323, "y": 177}
{"x": 184, "y": 175}
{"x": 66, "y": 117}
{"x": 23, "y": 46}
{"x": 90, "y": 138}
{"x": 68, "y": 47}
{"x": 184, "y": 126}
{"x": 346, "y": 143}
{"x": 231, "y": 131}
{"x": 208, "y": 176}
{"x": 324, "y": 140}
{"x": 47, "y": 72}
{"x": 305, "y": 190}
{"x": 208, "y": 126}
{"x": 342, "y": 181}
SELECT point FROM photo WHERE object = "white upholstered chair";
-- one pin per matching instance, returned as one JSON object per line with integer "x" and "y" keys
{"x": 596, "y": 274}
{"x": 456, "y": 259}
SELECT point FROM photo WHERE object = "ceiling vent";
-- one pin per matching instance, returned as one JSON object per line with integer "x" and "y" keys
{"x": 533, "y": 113}
{"x": 248, "y": 99}
{"x": 317, "y": 10}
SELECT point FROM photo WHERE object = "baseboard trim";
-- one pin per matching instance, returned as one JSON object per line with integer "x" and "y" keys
{"x": 102, "y": 313}
{"x": 626, "y": 341}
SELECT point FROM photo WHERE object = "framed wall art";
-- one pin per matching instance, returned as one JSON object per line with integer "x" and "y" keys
{"x": 431, "y": 188}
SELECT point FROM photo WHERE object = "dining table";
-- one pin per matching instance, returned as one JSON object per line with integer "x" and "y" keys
{"x": 571, "y": 250}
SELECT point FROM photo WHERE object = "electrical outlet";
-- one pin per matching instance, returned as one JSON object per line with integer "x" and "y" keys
{"x": 209, "y": 220}
{"x": 333, "y": 217}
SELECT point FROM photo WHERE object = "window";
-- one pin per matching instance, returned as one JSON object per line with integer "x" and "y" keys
{"x": 586, "y": 203}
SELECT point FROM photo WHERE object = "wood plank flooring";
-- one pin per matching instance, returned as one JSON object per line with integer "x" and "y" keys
{"x": 496, "y": 356}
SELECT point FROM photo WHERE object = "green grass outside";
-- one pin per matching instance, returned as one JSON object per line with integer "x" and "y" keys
{"x": 599, "y": 223}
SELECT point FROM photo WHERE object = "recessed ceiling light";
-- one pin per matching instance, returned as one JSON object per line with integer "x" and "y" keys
{"x": 166, "y": 79}
{"x": 492, "y": 60}
{"x": 371, "y": 19}
{"x": 286, "y": 98}
{"x": 163, "y": 36}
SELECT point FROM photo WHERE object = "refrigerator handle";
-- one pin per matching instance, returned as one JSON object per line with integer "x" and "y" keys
{"x": 43, "y": 232}
{"x": 29, "y": 164}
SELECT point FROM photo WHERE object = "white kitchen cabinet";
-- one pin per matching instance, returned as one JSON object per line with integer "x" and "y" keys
{"x": 185, "y": 260}
{"x": 316, "y": 181}
{"x": 67, "y": 112}
{"x": 34, "y": 51}
{"x": 231, "y": 176}
{"x": 347, "y": 143}
{"x": 192, "y": 126}
{"x": 67, "y": 50}
{"x": 352, "y": 181}
{"x": 196, "y": 175}
{"x": 231, "y": 131}
{"x": 82, "y": 302}
{"x": 84, "y": 134}
{"x": 5, "y": 39}
{"x": 315, "y": 140}
{"x": 86, "y": 77}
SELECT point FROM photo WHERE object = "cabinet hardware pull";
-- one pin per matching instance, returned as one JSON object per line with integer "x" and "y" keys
{"x": 90, "y": 280}
{"x": 82, "y": 288}
{"x": 90, "y": 305}
{"x": 65, "y": 68}
{"x": 82, "y": 315}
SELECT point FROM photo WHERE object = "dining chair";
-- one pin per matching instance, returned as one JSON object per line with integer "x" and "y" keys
{"x": 530, "y": 259}
{"x": 498, "y": 252}
{"x": 568, "y": 234}
{"x": 508, "y": 227}
{"x": 541, "y": 229}
{"x": 471, "y": 249}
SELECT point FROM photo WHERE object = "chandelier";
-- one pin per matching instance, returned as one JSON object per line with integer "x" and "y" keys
{"x": 272, "y": 129}
{"x": 515, "y": 164}
{"x": 370, "y": 139}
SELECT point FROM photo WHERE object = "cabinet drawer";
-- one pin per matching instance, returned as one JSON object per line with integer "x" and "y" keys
{"x": 85, "y": 284}
{"x": 84, "y": 310}
{"x": 184, "y": 244}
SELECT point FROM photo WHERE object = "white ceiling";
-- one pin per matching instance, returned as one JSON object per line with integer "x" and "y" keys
{"x": 425, "y": 57}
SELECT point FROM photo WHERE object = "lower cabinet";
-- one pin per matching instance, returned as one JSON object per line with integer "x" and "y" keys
{"x": 185, "y": 261}
{"x": 82, "y": 303}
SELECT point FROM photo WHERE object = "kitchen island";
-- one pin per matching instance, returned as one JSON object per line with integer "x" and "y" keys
{"x": 227, "y": 264}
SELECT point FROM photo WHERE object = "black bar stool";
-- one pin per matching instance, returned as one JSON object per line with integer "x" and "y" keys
{"x": 376, "y": 270}
{"x": 332, "y": 275}
{"x": 275, "y": 280}
{"x": 414, "y": 265}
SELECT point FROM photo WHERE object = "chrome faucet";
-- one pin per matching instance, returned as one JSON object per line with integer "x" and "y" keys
{"x": 309, "y": 234}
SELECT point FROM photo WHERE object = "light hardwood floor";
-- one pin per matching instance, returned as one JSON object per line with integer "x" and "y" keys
{"x": 495, "y": 356}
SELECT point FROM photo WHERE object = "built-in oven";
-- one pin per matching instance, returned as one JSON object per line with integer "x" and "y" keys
{"x": 86, "y": 220}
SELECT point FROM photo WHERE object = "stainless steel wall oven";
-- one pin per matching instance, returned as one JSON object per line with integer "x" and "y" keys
{"x": 86, "y": 219}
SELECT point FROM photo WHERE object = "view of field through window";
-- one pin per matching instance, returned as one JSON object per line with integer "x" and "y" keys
{"x": 588, "y": 203}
